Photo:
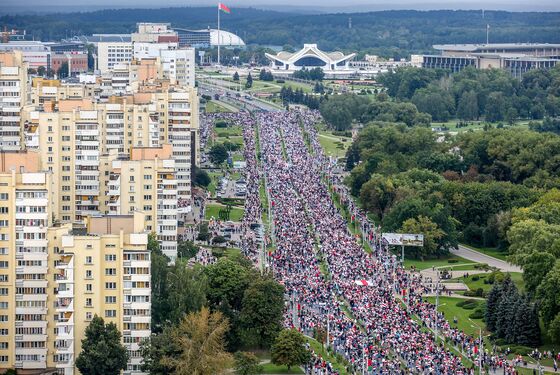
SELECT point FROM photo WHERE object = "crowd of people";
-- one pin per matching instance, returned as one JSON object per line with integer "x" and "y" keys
{"x": 366, "y": 302}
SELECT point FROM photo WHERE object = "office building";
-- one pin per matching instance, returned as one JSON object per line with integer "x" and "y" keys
{"x": 110, "y": 54}
{"x": 516, "y": 58}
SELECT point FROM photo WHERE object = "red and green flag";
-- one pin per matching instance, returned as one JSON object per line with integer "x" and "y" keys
{"x": 224, "y": 8}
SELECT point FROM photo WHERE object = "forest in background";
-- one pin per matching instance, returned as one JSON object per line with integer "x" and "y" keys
{"x": 386, "y": 33}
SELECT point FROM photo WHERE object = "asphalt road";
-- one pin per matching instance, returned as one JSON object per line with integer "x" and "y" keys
{"x": 475, "y": 256}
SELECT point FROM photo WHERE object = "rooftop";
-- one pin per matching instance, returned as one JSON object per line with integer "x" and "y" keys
{"x": 503, "y": 46}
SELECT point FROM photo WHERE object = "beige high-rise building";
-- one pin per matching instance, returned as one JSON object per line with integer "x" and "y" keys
{"x": 145, "y": 182}
{"x": 54, "y": 279}
{"x": 13, "y": 96}
{"x": 24, "y": 219}
{"x": 103, "y": 269}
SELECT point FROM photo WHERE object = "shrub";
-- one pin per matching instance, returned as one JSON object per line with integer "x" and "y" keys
{"x": 453, "y": 261}
{"x": 280, "y": 81}
{"x": 475, "y": 278}
{"x": 477, "y": 314}
{"x": 221, "y": 124}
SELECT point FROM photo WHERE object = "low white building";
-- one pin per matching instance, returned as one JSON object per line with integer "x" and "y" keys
{"x": 310, "y": 57}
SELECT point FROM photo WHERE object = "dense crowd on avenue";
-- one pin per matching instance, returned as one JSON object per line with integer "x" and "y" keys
{"x": 367, "y": 303}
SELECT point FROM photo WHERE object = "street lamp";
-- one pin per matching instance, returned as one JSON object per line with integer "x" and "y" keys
{"x": 481, "y": 345}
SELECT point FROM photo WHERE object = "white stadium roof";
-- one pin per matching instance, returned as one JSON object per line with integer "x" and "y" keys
{"x": 226, "y": 39}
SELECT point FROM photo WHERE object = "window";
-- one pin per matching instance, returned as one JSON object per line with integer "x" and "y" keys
{"x": 89, "y": 316}
{"x": 110, "y": 299}
{"x": 89, "y": 288}
{"x": 89, "y": 274}
{"x": 4, "y": 264}
{"x": 3, "y": 196}
{"x": 89, "y": 260}
{"x": 111, "y": 285}
{"x": 110, "y": 271}
{"x": 110, "y": 313}
{"x": 3, "y": 278}
{"x": 110, "y": 257}
{"x": 3, "y": 305}
{"x": 89, "y": 302}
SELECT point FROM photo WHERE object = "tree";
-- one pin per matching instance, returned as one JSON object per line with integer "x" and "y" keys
{"x": 289, "y": 349}
{"x": 496, "y": 107}
{"x": 187, "y": 289}
{"x": 467, "y": 109}
{"x": 262, "y": 312}
{"x": 554, "y": 330}
{"x": 102, "y": 352}
{"x": 432, "y": 234}
{"x": 41, "y": 71}
{"x": 492, "y": 301}
{"x": 548, "y": 294}
{"x": 201, "y": 177}
{"x": 536, "y": 266}
{"x": 378, "y": 194}
{"x": 218, "y": 154}
{"x": 200, "y": 339}
{"x": 62, "y": 72}
{"x": 247, "y": 363}
{"x": 236, "y": 77}
{"x": 186, "y": 249}
{"x": 249, "y": 82}
{"x": 155, "y": 348}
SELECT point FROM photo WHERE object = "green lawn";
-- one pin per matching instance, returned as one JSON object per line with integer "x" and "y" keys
{"x": 212, "y": 210}
{"x": 491, "y": 251}
{"x": 477, "y": 281}
{"x": 334, "y": 145}
{"x": 457, "y": 264}
{"x": 214, "y": 107}
{"x": 448, "y": 305}
{"x": 269, "y": 368}
{"x": 229, "y": 131}
{"x": 214, "y": 177}
{"x": 475, "y": 125}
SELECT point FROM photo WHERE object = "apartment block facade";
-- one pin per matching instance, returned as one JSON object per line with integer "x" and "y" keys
{"x": 13, "y": 96}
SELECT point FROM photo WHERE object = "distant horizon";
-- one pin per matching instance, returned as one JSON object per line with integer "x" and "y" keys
{"x": 288, "y": 6}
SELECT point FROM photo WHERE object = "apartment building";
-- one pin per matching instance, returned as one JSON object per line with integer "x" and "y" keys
{"x": 146, "y": 182}
{"x": 13, "y": 96}
{"x": 180, "y": 117}
{"x": 101, "y": 268}
{"x": 25, "y": 208}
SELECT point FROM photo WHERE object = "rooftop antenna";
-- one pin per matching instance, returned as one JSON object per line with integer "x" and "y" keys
{"x": 487, "y": 33}
{"x": 349, "y": 22}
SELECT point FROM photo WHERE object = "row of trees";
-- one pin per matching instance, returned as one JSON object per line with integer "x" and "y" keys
{"x": 511, "y": 316}
{"x": 297, "y": 96}
{"x": 403, "y": 174}
{"x": 243, "y": 307}
{"x": 533, "y": 238}
{"x": 314, "y": 74}
{"x": 341, "y": 110}
{"x": 472, "y": 94}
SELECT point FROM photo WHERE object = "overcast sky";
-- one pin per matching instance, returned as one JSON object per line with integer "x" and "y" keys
{"x": 322, "y": 5}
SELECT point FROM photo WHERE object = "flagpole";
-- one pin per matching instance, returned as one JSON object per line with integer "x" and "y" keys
{"x": 218, "y": 34}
